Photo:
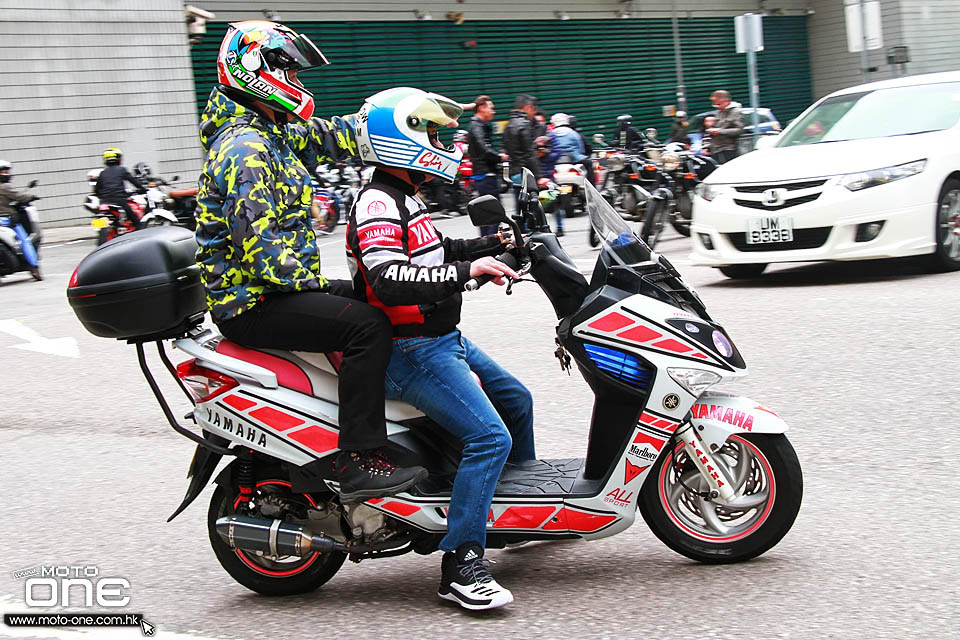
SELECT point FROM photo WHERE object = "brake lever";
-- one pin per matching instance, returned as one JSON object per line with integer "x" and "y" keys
{"x": 520, "y": 272}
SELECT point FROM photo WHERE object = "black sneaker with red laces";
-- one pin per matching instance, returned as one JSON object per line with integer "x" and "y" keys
{"x": 370, "y": 474}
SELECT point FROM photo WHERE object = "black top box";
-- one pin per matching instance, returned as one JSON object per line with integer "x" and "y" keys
{"x": 140, "y": 286}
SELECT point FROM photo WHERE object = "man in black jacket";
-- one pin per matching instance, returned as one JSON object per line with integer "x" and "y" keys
{"x": 626, "y": 137}
{"x": 485, "y": 158}
{"x": 519, "y": 138}
{"x": 110, "y": 185}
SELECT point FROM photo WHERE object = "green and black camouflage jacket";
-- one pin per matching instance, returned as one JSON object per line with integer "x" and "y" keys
{"x": 253, "y": 206}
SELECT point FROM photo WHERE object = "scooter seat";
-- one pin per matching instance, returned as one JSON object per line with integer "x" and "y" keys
{"x": 311, "y": 373}
{"x": 183, "y": 193}
{"x": 289, "y": 374}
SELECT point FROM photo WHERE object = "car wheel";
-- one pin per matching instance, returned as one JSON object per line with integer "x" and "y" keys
{"x": 743, "y": 271}
{"x": 946, "y": 255}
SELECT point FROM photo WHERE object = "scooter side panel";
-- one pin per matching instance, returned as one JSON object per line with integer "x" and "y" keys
{"x": 280, "y": 422}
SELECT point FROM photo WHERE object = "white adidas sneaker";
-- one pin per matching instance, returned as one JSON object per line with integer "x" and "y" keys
{"x": 467, "y": 581}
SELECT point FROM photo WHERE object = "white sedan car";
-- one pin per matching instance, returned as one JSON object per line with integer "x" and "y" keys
{"x": 872, "y": 171}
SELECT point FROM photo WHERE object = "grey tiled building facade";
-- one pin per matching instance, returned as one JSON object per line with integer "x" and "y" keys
{"x": 80, "y": 76}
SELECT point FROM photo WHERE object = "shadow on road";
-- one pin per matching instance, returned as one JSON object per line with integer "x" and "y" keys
{"x": 827, "y": 273}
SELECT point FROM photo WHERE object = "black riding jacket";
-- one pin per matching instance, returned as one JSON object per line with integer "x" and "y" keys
{"x": 110, "y": 188}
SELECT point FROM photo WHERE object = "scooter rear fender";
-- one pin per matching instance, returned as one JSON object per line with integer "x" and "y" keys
{"x": 717, "y": 415}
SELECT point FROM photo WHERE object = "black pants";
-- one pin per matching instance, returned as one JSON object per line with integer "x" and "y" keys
{"x": 725, "y": 156}
{"x": 319, "y": 322}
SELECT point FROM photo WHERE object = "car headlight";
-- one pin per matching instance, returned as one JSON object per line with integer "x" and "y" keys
{"x": 696, "y": 381}
{"x": 670, "y": 162}
{"x": 874, "y": 177}
{"x": 710, "y": 192}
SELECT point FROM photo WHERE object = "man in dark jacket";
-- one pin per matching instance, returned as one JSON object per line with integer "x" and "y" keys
{"x": 110, "y": 185}
{"x": 485, "y": 158}
{"x": 626, "y": 137}
{"x": 678, "y": 130}
{"x": 519, "y": 138}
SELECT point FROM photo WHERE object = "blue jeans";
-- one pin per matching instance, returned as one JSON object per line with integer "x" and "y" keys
{"x": 29, "y": 251}
{"x": 433, "y": 374}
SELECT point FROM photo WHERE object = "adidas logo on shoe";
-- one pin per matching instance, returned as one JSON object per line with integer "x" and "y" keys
{"x": 469, "y": 583}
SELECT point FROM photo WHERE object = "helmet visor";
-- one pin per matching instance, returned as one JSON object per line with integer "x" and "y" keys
{"x": 298, "y": 52}
{"x": 437, "y": 116}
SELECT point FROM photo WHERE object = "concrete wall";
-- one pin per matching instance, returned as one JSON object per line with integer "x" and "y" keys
{"x": 932, "y": 31}
{"x": 80, "y": 76}
{"x": 930, "y": 28}
{"x": 231, "y": 10}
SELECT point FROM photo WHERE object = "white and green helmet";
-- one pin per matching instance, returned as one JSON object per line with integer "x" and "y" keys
{"x": 401, "y": 127}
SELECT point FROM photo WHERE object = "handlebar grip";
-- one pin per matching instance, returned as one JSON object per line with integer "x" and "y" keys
{"x": 475, "y": 283}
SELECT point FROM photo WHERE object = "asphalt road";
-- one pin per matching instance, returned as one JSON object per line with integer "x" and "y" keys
{"x": 860, "y": 359}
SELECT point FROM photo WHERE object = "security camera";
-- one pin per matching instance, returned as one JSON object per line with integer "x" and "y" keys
{"x": 197, "y": 22}
{"x": 194, "y": 12}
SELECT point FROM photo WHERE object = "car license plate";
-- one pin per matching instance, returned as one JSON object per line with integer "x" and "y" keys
{"x": 769, "y": 230}
{"x": 566, "y": 188}
{"x": 99, "y": 223}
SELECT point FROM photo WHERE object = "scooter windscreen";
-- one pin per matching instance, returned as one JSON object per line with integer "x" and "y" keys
{"x": 616, "y": 237}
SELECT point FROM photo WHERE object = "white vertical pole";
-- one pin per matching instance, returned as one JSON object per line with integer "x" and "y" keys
{"x": 754, "y": 93}
{"x": 681, "y": 89}
{"x": 864, "y": 56}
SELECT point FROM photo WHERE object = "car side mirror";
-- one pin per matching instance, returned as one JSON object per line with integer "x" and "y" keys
{"x": 767, "y": 141}
{"x": 486, "y": 211}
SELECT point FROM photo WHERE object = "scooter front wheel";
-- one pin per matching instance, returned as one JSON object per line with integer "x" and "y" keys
{"x": 764, "y": 472}
{"x": 281, "y": 576}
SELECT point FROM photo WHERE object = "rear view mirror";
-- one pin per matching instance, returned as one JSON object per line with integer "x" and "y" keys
{"x": 486, "y": 211}
{"x": 174, "y": 178}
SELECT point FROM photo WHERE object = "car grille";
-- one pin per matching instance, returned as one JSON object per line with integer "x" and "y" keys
{"x": 802, "y": 239}
{"x": 792, "y": 202}
{"x": 789, "y": 186}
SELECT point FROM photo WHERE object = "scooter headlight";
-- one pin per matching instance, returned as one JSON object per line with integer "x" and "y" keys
{"x": 696, "y": 381}
{"x": 671, "y": 162}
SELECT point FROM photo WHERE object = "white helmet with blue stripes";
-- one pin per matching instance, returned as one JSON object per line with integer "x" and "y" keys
{"x": 402, "y": 127}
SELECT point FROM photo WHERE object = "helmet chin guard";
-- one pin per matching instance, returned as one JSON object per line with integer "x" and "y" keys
{"x": 403, "y": 127}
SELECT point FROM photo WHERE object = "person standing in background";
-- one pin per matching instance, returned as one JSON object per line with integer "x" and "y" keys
{"x": 727, "y": 129}
{"x": 484, "y": 156}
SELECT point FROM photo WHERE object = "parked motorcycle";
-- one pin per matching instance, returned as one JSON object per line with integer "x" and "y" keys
{"x": 712, "y": 474}
{"x": 569, "y": 178}
{"x": 165, "y": 201}
{"x": 19, "y": 233}
{"x": 686, "y": 170}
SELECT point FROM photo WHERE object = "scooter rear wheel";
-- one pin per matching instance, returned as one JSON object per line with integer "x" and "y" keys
{"x": 272, "y": 577}
{"x": 765, "y": 474}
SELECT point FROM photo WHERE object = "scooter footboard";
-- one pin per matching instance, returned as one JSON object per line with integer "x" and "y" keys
{"x": 718, "y": 415}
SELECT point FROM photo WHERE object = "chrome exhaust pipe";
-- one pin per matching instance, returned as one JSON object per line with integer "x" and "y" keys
{"x": 272, "y": 537}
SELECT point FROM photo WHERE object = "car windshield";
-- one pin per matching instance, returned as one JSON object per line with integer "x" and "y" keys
{"x": 615, "y": 235}
{"x": 880, "y": 113}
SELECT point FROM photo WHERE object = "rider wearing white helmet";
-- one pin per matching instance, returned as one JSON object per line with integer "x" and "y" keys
{"x": 402, "y": 264}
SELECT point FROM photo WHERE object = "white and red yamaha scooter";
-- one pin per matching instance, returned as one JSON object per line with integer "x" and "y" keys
{"x": 713, "y": 475}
